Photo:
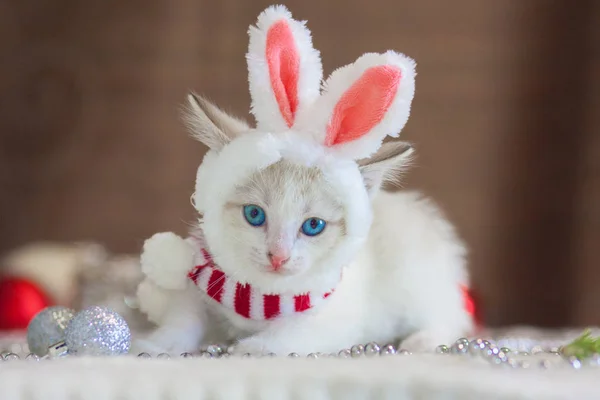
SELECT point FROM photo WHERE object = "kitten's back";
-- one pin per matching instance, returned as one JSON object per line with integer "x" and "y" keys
{"x": 411, "y": 232}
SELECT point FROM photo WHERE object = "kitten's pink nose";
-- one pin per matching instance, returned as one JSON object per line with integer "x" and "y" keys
{"x": 277, "y": 260}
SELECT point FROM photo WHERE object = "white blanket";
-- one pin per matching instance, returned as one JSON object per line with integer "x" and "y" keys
{"x": 397, "y": 377}
{"x": 417, "y": 376}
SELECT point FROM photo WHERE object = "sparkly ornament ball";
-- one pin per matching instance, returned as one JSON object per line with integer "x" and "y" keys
{"x": 48, "y": 328}
{"x": 98, "y": 331}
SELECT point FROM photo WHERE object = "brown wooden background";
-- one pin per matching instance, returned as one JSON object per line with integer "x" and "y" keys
{"x": 506, "y": 120}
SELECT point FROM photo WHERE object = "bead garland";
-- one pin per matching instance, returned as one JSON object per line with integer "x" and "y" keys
{"x": 500, "y": 356}
{"x": 462, "y": 347}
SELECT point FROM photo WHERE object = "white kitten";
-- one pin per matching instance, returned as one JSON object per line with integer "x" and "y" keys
{"x": 404, "y": 283}
{"x": 297, "y": 249}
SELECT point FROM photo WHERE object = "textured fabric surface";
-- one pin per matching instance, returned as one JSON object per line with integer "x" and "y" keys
{"x": 398, "y": 377}
{"x": 394, "y": 377}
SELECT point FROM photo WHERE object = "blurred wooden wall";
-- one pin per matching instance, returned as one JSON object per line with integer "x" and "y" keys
{"x": 505, "y": 120}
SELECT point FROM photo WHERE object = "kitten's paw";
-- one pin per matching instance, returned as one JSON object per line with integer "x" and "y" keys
{"x": 253, "y": 345}
{"x": 166, "y": 259}
{"x": 259, "y": 345}
{"x": 423, "y": 342}
{"x": 170, "y": 341}
{"x": 139, "y": 346}
{"x": 153, "y": 300}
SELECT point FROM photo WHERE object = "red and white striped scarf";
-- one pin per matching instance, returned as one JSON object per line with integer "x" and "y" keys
{"x": 251, "y": 303}
{"x": 246, "y": 300}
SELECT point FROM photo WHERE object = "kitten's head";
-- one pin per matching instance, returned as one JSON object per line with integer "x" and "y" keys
{"x": 285, "y": 225}
{"x": 287, "y": 204}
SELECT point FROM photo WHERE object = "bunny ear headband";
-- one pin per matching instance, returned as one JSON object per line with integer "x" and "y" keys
{"x": 331, "y": 128}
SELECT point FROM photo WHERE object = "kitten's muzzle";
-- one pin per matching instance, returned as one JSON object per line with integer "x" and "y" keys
{"x": 278, "y": 260}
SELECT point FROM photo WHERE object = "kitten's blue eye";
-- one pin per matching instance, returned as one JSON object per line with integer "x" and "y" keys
{"x": 254, "y": 215}
{"x": 313, "y": 226}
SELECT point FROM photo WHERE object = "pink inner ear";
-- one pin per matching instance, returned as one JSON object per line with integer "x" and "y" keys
{"x": 284, "y": 68}
{"x": 363, "y": 105}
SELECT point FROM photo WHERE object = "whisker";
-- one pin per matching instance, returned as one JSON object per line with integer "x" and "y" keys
{"x": 215, "y": 283}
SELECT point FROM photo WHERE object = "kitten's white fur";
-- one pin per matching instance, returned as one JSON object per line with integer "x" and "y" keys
{"x": 404, "y": 283}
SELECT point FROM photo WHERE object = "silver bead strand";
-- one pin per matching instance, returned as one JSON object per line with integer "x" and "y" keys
{"x": 460, "y": 348}
{"x": 357, "y": 350}
{"x": 372, "y": 349}
{"x": 214, "y": 349}
{"x": 388, "y": 350}
{"x": 490, "y": 351}
{"x": 345, "y": 353}
{"x": 442, "y": 349}
{"x": 575, "y": 362}
{"x": 476, "y": 346}
{"x": 11, "y": 357}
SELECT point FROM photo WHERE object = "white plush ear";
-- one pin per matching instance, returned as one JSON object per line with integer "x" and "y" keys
{"x": 362, "y": 103}
{"x": 285, "y": 70}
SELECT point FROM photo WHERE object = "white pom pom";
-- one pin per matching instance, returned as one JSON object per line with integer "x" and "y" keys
{"x": 166, "y": 260}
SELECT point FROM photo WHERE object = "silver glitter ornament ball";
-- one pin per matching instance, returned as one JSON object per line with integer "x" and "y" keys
{"x": 98, "y": 331}
{"x": 48, "y": 328}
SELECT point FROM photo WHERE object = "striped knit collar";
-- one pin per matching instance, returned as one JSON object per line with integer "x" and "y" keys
{"x": 246, "y": 300}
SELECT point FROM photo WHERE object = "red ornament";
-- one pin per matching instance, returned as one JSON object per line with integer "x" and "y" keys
{"x": 471, "y": 305}
{"x": 20, "y": 301}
